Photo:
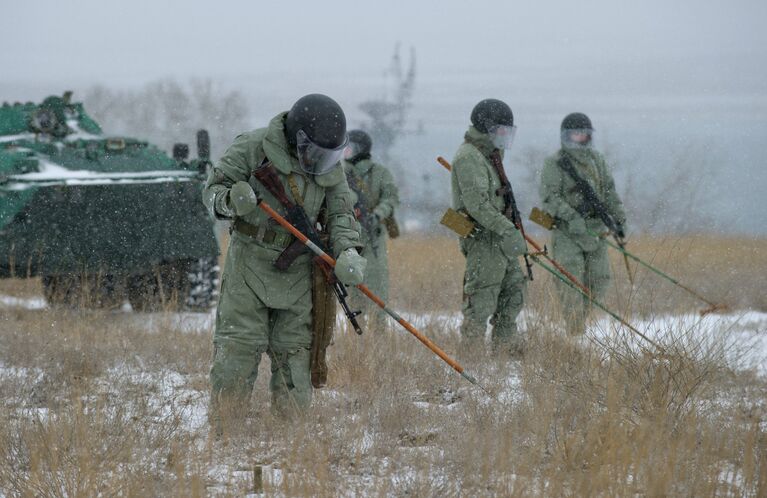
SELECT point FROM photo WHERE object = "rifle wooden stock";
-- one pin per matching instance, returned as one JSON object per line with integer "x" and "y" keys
{"x": 269, "y": 178}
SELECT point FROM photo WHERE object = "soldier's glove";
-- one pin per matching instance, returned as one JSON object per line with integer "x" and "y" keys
{"x": 513, "y": 244}
{"x": 378, "y": 213}
{"x": 621, "y": 230}
{"x": 350, "y": 267}
{"x": 242, "y": 199}
{"x": 576, "y": 226}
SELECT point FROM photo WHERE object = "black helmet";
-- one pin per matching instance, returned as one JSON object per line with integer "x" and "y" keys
{"x": 489, "y": 113}
{"x": 360, "y": 144}
{"x": 576, "y": 121}
{"x": 576, "y": 131}
{"x": 316, "y": 126}
{"x": 321, "y": 119}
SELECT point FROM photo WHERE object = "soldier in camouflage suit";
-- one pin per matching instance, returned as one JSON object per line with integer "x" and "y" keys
{"x": 494, "y": 284}
{"x": 574, "y": 243}
{"x": 377, "y": 198}
{"x": 263, "y": 309}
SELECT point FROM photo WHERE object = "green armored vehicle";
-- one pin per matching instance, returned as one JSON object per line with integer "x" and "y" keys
{"x": 102, "y": 219}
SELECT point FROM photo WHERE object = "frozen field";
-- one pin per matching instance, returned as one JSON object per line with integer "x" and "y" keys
{"x": 144, "y": 413}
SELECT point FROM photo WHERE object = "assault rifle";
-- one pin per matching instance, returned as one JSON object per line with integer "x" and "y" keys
{"x": 367, "y": 219}
{"x": 593, "y": 204}
{"x": 510, "y": 204}
{"x": 268, "y": 177}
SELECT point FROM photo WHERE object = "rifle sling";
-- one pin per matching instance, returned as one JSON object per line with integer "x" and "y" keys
{"x": 510, "y": 205}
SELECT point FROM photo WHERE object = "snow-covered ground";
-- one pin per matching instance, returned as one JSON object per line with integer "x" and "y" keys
{"x": 167, "y": 394}
{"x": 742, "y": 333}
{"x": 50, "y": 174}
{"x": 30, "y": 303}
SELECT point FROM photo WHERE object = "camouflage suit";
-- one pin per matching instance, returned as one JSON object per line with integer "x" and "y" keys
{"x": 581, "y": 253}
{"x": 377, "y": 186}
{"x": 494, "y": 284}
{"x": 263, "y": 309}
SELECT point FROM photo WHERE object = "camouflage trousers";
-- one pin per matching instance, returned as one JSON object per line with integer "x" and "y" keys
{"x": 247, "y": 327}
{"x": 592, "y": 268}
{"x": 494, "y": 287}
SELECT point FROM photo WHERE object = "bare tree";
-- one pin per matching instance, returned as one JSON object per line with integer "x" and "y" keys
{"x": 388, "y": 115}
{"x": 166, "y": 112}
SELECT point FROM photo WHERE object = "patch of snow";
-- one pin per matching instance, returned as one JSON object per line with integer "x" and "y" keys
{"x": 34, "y": 374}
{"x": 226, "y": 478}
{"x": 50, "y": 174}
{"x": 20, "y": 136}
{"x": 167, "y": 395}
{"x": 744, "y": 332}
{"x": 78, "y": 133}
{"x": 34, "y": 303}
{"x": 742, "y": 336}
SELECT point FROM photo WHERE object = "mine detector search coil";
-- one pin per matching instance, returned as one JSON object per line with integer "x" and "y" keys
{"x": 267, "y": 175}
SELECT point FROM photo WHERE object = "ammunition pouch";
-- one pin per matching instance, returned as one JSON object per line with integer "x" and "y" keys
{"x": 323, "y": 323}
{"x": 392, "y": 227}
{"x": 542, "y": 218}
{"x": 459, "y": 222}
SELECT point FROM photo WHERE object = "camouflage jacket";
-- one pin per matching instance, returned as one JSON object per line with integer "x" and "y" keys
{"x": 248, "y": 152}
{"x": 561, "y": 198}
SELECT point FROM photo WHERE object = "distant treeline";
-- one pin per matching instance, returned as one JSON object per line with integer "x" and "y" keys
{"x": 167, "y": 112}
{"x": 660, "y": 201}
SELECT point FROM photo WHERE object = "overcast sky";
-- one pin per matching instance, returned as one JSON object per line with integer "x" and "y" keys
{"x": 120, "y": 42}
{"x": 657, "y": 76}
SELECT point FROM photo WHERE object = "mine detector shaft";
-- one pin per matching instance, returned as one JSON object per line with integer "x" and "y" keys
{"x": 548, "y": 222}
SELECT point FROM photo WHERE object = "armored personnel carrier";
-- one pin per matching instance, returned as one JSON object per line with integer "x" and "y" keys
{"x": 102, "y": 219}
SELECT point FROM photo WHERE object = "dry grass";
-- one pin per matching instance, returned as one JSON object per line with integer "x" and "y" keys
{"x": 114, "y": 403}
{"x": 427, "y": 272}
